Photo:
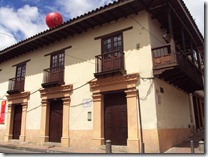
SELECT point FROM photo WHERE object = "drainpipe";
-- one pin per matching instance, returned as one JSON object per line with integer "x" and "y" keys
{"x": 140, "y": 125}
{"x": 192, "y": 118}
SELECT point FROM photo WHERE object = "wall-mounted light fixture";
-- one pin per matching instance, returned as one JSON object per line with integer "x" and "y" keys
{"x": 89, "y": 116}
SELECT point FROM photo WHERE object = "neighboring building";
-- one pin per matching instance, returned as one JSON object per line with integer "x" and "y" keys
{"x": 130, "y": 71}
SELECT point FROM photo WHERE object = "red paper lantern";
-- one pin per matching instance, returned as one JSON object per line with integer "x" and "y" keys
{"x": 53, "y": 19}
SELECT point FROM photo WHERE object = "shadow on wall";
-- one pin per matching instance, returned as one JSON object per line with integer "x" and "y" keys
{"x": 80, "y": 52}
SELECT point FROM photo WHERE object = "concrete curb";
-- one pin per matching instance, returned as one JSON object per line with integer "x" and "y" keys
{"x": 57, "y": 151}
{"x": 38, "y": 150}
{"x": 24, "y": 148}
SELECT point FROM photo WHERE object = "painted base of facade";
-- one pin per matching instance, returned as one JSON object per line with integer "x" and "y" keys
{"x": 151, "y": 141}
{"x": 174, "y": 136}
{"x": 2, "y": 134}
{"x": 33, "y": 136}
{"x": 155, "y": 141}
{"x": 158, "y": 141}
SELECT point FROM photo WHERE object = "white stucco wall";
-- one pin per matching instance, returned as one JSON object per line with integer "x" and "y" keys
{"x": 173, "y": 110}
{"x": 156, "y": 33}
{"x": 80, "y": 67}
{"x": 79, "y": 72}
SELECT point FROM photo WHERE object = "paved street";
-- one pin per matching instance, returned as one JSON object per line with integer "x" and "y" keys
{"x": 14, "y": 151}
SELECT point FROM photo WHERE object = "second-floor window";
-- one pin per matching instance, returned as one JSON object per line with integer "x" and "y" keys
{"x": 55, "y": 74}
{"x": 20, "y": 76}
{"x": 57, "y": 67}
{"x": 17, "y": 83}
{"x": 113, "y": 44}
{"x": 111, "y": 61}
{"x": 57, "y": 60}
{"x": 112, "y": 53}
{"x": 20, "y": 72}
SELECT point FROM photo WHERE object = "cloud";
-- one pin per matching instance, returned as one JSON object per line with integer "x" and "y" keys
{"x": 72, "y": 8}
{"x": 6, "y": 38}
{"x": 21, "y": 24}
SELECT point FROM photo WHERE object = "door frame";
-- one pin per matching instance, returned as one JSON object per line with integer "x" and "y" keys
{"x": 61, "y": 92}
{"x": 114, "y": 83}
{"x": 20, "y": 98}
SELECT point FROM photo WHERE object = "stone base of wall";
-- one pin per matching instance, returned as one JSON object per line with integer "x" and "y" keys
{"x": 158, "y": 141}
{"x": 33, "y": 136}
{"x": 155, "y": 141}
{"x": 81, "y": 138}
{"x": 2, "y": 134}
{"x": 151, "y": 140}
{"x": 171, "y": 137}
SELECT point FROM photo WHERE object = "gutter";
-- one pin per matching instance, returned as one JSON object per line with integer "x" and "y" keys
{"x": 142, "y": 148}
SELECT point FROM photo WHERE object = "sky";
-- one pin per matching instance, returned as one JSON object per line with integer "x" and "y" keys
{"x": 21, "y": 19}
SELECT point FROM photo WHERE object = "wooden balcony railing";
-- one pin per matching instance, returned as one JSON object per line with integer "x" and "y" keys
{"x": 162, "y": 56}
{"x": 109, "y": 63}
{"x": 16, "y": 85}
{"x": 176, "y": 69}
{"x": 53, "y": 77}
{"x": 189, "y": 67}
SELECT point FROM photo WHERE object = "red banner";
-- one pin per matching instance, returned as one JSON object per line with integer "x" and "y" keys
{"x": 2, "y": 114}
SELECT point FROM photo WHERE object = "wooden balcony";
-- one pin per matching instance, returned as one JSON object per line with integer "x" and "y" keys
{"x": 109, "y": 64}
{"x": 16, "y": 85}
{"x": 53, "y": 77}
{"x": 176, "y": 69}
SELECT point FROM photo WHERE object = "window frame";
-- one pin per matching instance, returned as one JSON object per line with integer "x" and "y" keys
{"x": 21, "y": 66}
{"x": 112, "y": 42}
{"x": 58, "y": 59}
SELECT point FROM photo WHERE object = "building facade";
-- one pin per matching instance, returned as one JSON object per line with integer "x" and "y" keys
{"x": 123, "y": 72}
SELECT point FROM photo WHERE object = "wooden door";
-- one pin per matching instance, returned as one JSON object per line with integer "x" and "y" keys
{"x": 17, "y": 121}
{"x": 115, "y": 121}
{"x": 55, "y": 122}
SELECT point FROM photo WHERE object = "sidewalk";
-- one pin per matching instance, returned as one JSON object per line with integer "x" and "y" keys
{"x": 58, "y": 149}
{"x": 185, "y": 146}
{"x": 183, "y": 150}
{"x": 48, "y": 148}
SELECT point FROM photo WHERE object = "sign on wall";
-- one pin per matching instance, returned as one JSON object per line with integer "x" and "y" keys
{"x": 2, "y": 114}
{"x": 87, "y": 102}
